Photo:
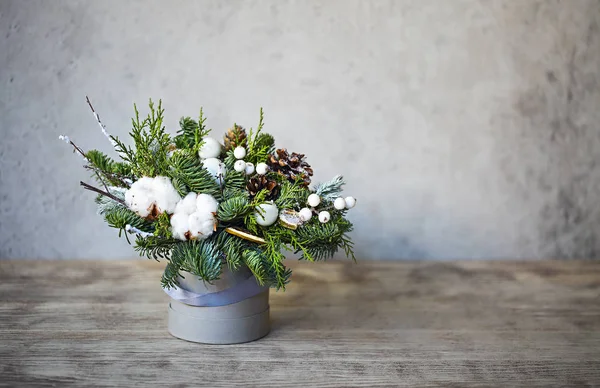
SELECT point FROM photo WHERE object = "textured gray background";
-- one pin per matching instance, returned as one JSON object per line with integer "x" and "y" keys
{"x": 467, "y": 129}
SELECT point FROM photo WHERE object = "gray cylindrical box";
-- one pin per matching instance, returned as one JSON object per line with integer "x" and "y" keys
{"x": 244, "y": 321}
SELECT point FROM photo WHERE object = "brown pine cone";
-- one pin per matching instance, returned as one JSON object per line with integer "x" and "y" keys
{"x": 291, "y": 166}
{"x": 234, "y": 137}
{"x": 260, "y": 182}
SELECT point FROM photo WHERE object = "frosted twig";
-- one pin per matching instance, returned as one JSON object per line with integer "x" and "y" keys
{"x": 105, "y": 193}
{"x": 102, "y": 126}
{"x": 67, "y": 140}
{"x": 133, "y": 229}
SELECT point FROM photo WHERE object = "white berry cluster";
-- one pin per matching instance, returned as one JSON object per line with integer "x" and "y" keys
{"x": 194, "y": 217}
{"x": 241, "y": 166}
{"x": 324, "y": 216}
{"x": 152, "y": 196}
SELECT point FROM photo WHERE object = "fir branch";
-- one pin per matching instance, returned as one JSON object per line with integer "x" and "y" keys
{"x": 119, "y": 218}
{"x": 232, "y": 247}
{"x": 330, "y": 190}
{"x": 186, "y": 168}
{"x": 106, "y": 204}
{"x": 154, "y": 247}
{"x": 233, "y": 208}
{"x": 133, "y": 230}
{"x": 201, "y": 258}
{"x": 116, "y": 173}
{"x": 254, "y": 260}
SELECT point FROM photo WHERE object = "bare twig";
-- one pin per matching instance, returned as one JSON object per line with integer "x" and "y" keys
{"x": 102, "y": 126}
{"x": 99, "y": 191}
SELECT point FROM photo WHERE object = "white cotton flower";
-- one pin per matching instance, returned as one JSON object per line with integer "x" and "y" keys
{"x": 187, "y": 205}
{"x": 201, "y": 225}
{"x": 211, "y": 148}
{"x": 165, "y": 195}
{"x": 139, "y": 198}
{"x": 180, "y": 225}
{"x": 206, "y": 203}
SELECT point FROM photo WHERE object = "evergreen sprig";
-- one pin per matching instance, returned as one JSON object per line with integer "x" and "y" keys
{"x": 201, "y": 258}
{"x": 191, "y": 133}
{"x": 187, "y": 170}
{"x": 330, "y": 190}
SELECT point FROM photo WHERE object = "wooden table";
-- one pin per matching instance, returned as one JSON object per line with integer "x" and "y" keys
{"x": 471, "y": 323}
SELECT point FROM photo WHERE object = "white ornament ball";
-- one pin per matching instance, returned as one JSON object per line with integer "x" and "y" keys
{"x": 339, "y": 203}
{"x": 239, "y": 152}
{"x": 324, "y": 217}
{"x": 314, "y": 200}
{"x": 211, "y": 148}
{"x": 350, "y": 202}
{"x": 305, "y": 214}
{"x": 249, "y": 168}
{"x": 262, "y": 168}
{"x": 239, "y": 166}
{"x": 269, "y": 215}
{"x": 215, "y": 167}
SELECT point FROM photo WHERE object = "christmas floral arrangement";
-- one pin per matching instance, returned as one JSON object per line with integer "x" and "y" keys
{"x": 201, "y": 204}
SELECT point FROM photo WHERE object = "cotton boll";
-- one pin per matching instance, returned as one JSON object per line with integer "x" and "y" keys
{"x": 211, "y": 148}
{"x": 201, "y": 225}
{"x": 215, "y": 167}
{"x": 180, "y": 225}
{"x": 139, "y": 201}
{"x": 140, "y": 196}
{"x": 165, "y": 194}
{"x": 206, "y": 203}
{"x": 187, "y": 205}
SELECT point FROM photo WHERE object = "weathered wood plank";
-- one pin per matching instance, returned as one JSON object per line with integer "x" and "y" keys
{"x": 474, "y": 323}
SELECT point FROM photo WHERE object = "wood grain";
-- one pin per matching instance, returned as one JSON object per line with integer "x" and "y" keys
{"x": 471, "y": 323}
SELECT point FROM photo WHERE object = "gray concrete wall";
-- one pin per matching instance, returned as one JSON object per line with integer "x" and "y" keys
{"x": 467, "y": 129}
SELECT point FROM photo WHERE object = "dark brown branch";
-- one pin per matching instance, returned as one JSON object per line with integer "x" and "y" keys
{"x": 101, "y": 192}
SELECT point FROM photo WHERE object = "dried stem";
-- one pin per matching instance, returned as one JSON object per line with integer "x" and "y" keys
{"x": 99, "y": 191}
{"x": 102, "y": 126}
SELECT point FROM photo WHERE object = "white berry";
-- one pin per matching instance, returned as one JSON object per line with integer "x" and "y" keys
{"x": 305, "y": 214}
{"x": 350, "y": 202}
{"x": 324, "y": 217}
{"x": 239, "y": 152}
{"x": 314, "y": 200}
{"x": 249, "y": 168}
{"x": 262, "y": 168}
{"x": 211, "y": 148}
{"x": 239, "y": 166}
{"x": 339, "y": 203}
{"x": 267, "y": 215}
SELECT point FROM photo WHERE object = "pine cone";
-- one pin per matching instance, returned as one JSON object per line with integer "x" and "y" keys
{"x": 260, "y": 182}
{"x": 291, "y": 166}
{"x": 234, "y": 137}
